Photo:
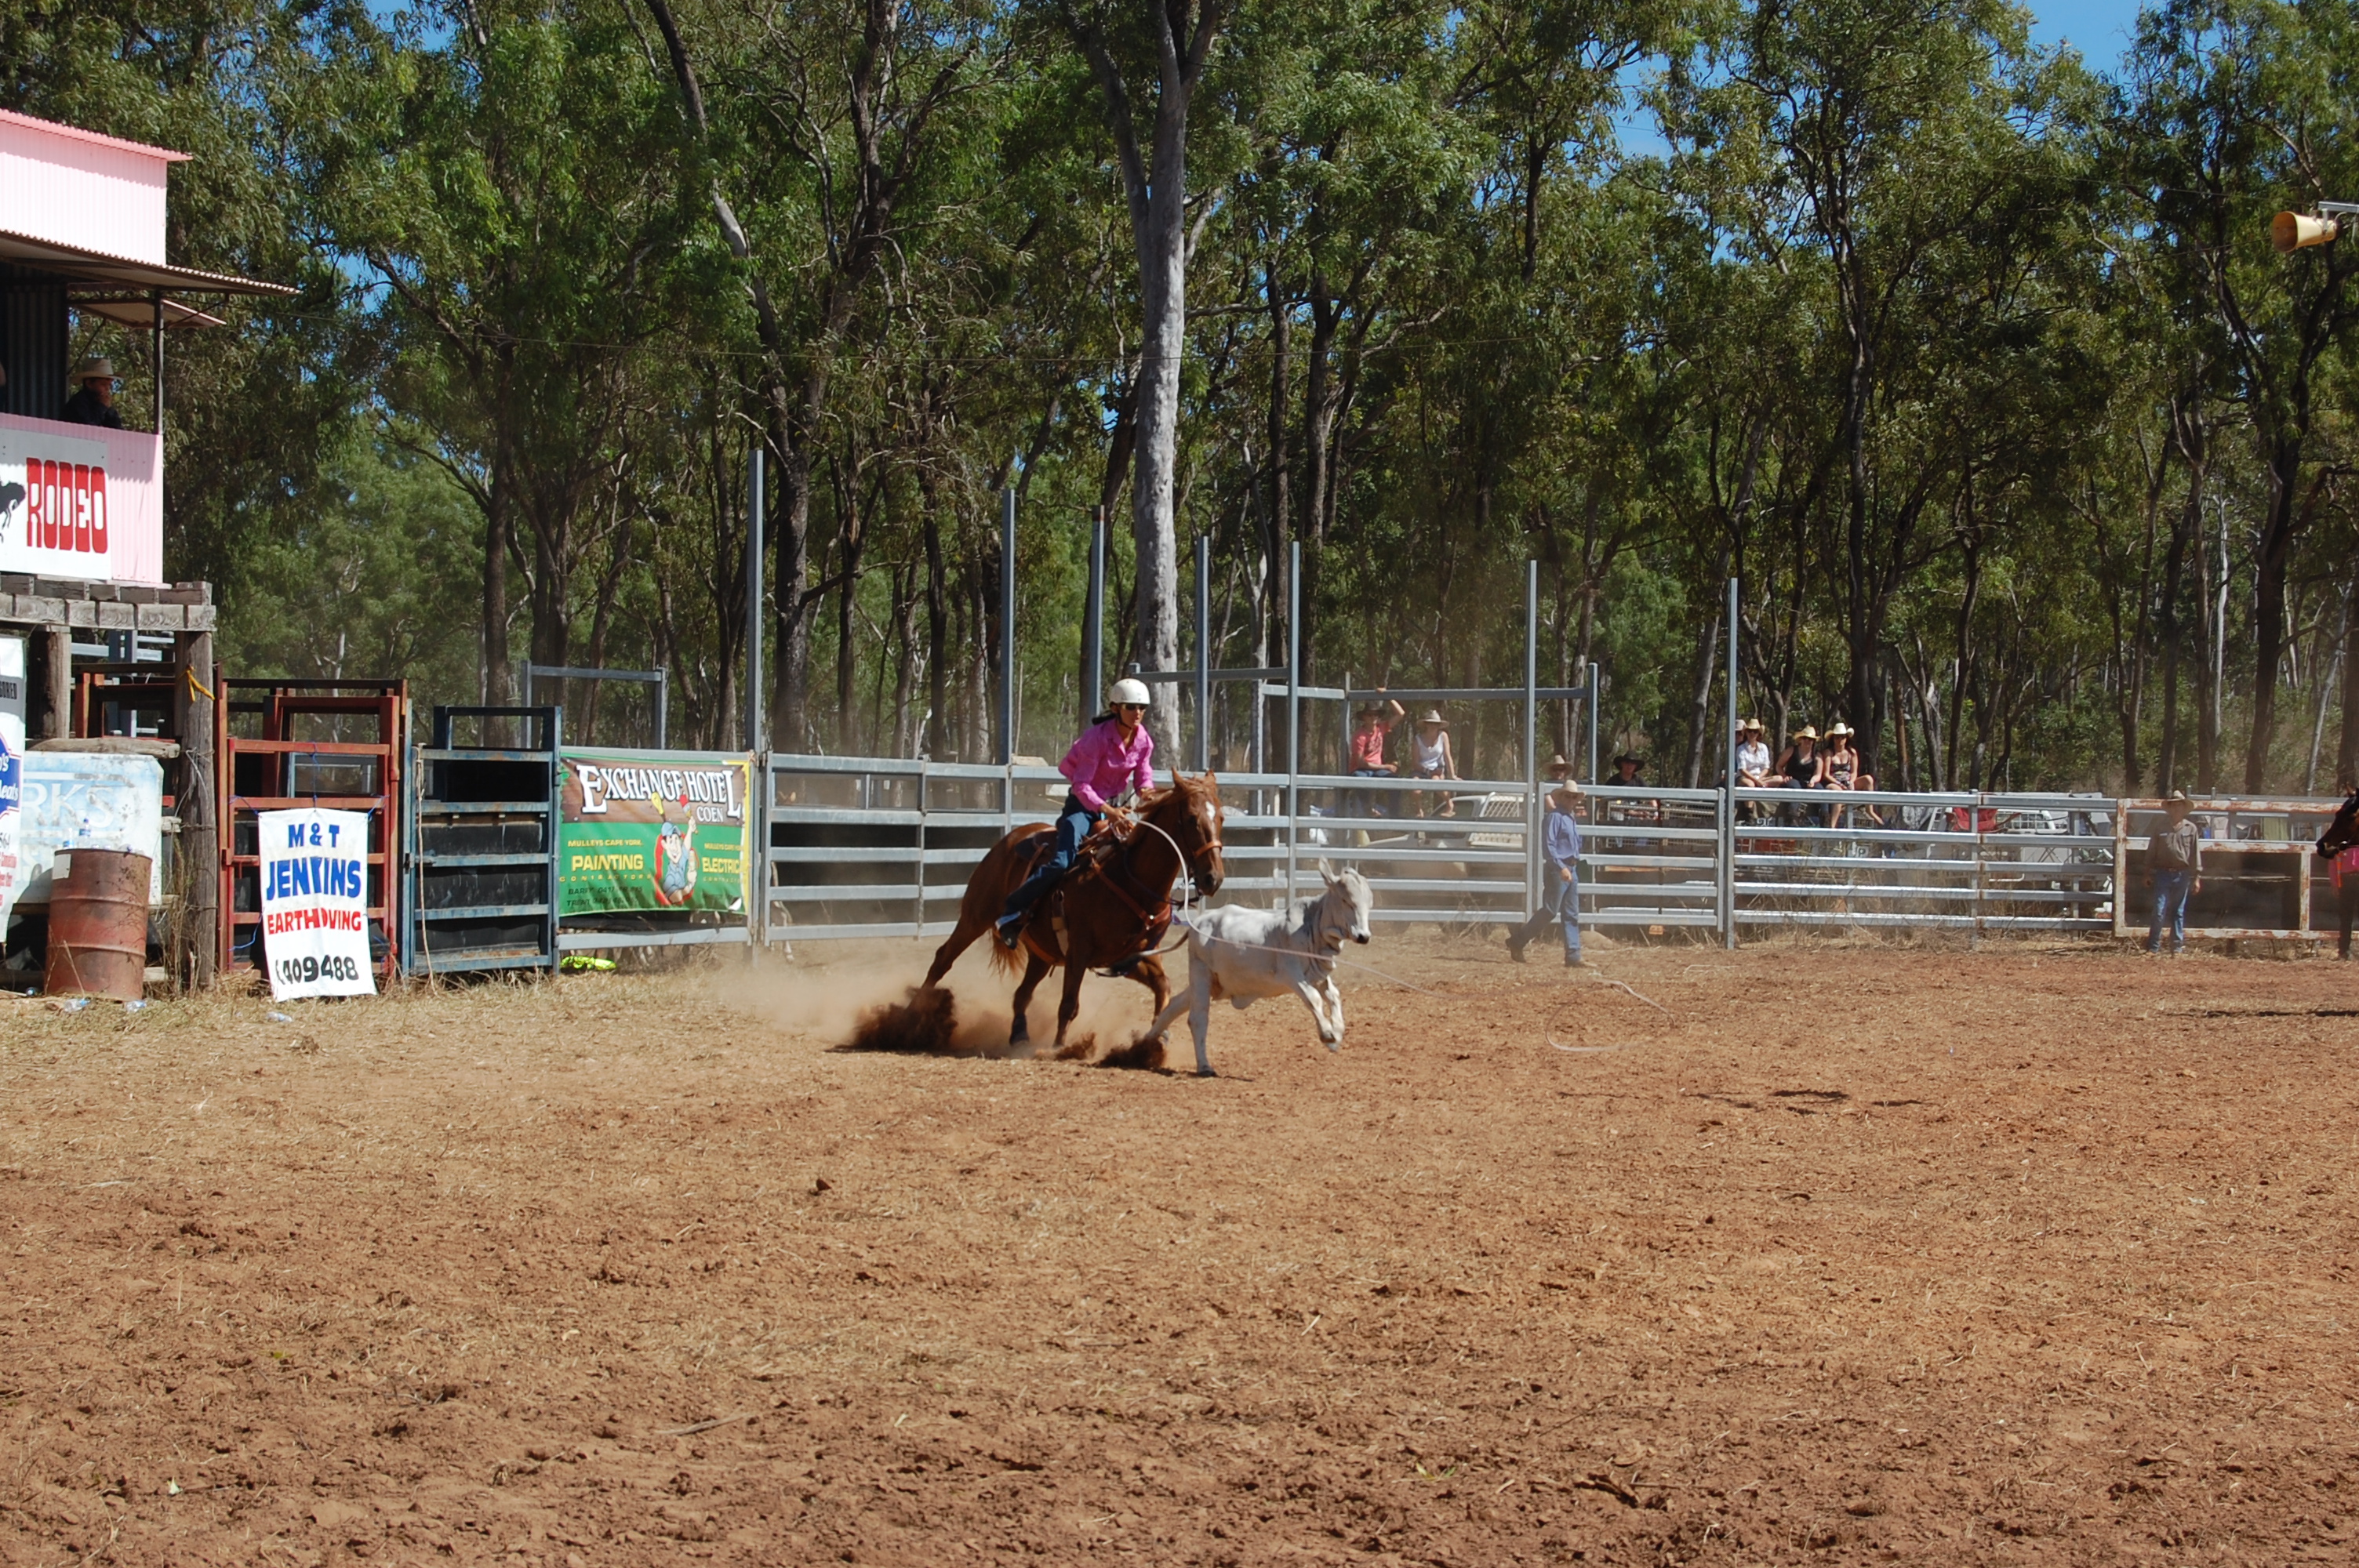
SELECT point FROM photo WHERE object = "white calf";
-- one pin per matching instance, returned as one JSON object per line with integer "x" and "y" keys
{"x": 1244, "y": 955}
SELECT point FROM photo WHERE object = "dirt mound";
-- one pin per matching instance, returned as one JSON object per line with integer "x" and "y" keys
{"x": 925, "y": 1023}
{"x": 1146, "y": 1054}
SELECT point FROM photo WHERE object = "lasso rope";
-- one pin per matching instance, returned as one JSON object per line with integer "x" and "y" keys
{"x": 1180, "y": 918}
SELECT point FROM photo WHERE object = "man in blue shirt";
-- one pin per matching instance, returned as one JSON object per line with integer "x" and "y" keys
{"x": 1561, "y": 880}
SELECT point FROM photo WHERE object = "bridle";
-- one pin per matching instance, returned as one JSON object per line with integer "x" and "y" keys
{"x": 2347, "y": 819}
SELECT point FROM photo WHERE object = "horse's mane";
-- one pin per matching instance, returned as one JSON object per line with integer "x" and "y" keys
{"x": 1181, "y": 786}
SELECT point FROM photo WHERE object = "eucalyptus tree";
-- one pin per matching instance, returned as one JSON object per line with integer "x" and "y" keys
{"x": 835, "y": 133}
{"x": 1148, "y": 63}
{"x": 2239, "y": 108}
{"x": 499, "y": 188}
{"x": 1912, "y": 166}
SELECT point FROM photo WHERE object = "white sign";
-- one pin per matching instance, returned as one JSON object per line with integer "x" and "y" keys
{"x": 81, "y": 500}
{"x": 315, "y": 903}
{"x": 86, "y": 800}
{"x": 11, "y": 771}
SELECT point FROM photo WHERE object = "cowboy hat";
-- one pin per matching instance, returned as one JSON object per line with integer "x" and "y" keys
{"x": 1633, "y": 759}
{"x": 1840, "y": 727}
{"x": 1566, "y": 786}
{"x": 1752, "y": 726}
{"x": 95, "y": 367}
{"x": 1430, "y": 716}
{"x": 1806, "y": 733}
{"x": 1557, "y": 765}
{"x": 2177, "y": 798}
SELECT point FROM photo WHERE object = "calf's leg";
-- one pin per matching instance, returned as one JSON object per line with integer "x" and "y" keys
{"x": 1328, "y": 1035}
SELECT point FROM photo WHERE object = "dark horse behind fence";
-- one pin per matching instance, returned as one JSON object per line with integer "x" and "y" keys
{"x": 2343, "y": 832}
{"x": 1111, "y": 908}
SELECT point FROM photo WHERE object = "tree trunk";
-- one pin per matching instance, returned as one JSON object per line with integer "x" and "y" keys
{"x": 498, "y": 535}
{"x": 938, "y": 630}
{"x": 2268, "y": 606}
{"x": 1279, "y": 529}
{"x": 1183, "y": 32}
{"x": 1700, "y": 710}
{"x": 2346, "y": 749}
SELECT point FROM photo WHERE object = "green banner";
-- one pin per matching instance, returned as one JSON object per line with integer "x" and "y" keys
{"x": 655, "y": 830}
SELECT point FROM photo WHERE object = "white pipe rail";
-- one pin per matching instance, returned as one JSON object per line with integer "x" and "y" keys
{"x": 863, "y": 847}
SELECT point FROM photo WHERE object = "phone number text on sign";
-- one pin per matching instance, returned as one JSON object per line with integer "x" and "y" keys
{"x": 314, "y": 876}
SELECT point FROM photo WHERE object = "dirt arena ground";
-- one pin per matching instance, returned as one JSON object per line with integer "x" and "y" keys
{"x": 1846, "y": 1255}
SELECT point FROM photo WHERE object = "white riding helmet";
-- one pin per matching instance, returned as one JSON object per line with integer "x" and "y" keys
{"x": 1129, "y": 690}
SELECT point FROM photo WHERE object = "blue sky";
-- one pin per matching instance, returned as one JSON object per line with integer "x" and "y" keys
{"x": 2100, "y": 30}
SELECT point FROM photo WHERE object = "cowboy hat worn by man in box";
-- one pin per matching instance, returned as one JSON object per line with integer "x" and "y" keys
{"x": 94, "y": 401}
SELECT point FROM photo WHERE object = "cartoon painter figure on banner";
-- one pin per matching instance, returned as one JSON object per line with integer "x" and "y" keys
{"x": 675, "y": 859}
{"x": 651, "y": 831}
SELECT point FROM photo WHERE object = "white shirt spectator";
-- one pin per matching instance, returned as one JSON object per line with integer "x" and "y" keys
{"x": 1752, "y": 758}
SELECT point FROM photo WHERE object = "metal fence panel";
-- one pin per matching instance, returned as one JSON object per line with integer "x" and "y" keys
{"x": 870, "y": 847}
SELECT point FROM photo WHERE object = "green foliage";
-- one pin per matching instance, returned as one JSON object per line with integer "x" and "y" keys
{"x": 1973, "y": 364}
{"x": 376, "y": 579}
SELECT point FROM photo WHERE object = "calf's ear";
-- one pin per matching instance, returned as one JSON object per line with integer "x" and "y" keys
{"x": 1326, "y": 872}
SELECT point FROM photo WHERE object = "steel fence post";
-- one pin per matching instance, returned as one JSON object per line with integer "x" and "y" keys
{"x": 1204, "y": 653}
{"x": 1533, "y": 808}
{"x": 1293, "y": 714}
{"x": 1974, "y": 944}
{"x": 1728, "y": 795}
{"x": 1093, "y": 621}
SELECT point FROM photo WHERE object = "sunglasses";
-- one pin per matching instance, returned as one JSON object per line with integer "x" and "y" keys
{"x": 1130, "y": 707}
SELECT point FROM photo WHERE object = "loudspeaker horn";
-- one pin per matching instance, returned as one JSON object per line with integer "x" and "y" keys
{"x": 2291, "y": 231}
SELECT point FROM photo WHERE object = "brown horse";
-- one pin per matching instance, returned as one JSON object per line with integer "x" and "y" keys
{"x": 1114, "y": 904}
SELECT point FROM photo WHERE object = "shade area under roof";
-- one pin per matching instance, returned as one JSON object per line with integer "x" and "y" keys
{"x": 125, "y": 290}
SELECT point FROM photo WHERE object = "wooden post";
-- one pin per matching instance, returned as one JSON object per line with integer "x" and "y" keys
{"x": 200, "y": 845}
{"x": 56, "y": 682}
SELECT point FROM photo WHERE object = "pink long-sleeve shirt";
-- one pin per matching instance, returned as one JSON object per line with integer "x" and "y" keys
{"x": 1100, "y": 764}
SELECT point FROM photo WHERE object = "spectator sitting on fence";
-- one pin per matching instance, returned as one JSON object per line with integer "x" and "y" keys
{"x": 1429, "y": 757}
{"x": 1842, "y": 771}
{"x": 2174, "y": 862}
{"x": 1558, "y": 770}
{"x": 1799, "y": 766}
{"x": 1753, "y": 766}
{"x": 1371, "y": 738}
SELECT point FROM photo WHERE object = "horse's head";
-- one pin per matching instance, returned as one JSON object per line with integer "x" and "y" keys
{"x": 1190, "y": 811}
{"x": 2343, "y": 832}
{"x": 1343, "y": 911}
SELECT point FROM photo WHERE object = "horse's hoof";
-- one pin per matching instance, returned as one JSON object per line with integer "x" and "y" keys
{"x": 1332, "y": 1045}
{"x": 1206, "y": 1073}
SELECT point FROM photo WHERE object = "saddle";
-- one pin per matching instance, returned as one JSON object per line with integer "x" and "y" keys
{"x": 1095, "y": 859}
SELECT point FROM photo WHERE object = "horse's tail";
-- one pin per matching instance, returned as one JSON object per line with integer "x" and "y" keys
{"x": 1005, "y": 959}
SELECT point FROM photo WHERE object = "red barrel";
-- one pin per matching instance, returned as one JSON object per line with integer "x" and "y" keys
{"x": 98, "y": 925}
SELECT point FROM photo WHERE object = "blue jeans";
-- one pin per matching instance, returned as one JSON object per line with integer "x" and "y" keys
{"x": 1560, "y": 900}
{"x": 2170, "y": 906}
{"x": 1073, "y": 824}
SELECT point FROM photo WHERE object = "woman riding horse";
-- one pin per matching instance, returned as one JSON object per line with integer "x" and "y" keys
{"x": 1115, "y": 906}
{"x": 1114, "y": 753}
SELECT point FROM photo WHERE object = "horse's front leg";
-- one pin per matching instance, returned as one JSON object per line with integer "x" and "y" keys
{"x": 1036, "y": 967}
{"x": 1334, "y": 1010}
{"x": 1148, "y": 972}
